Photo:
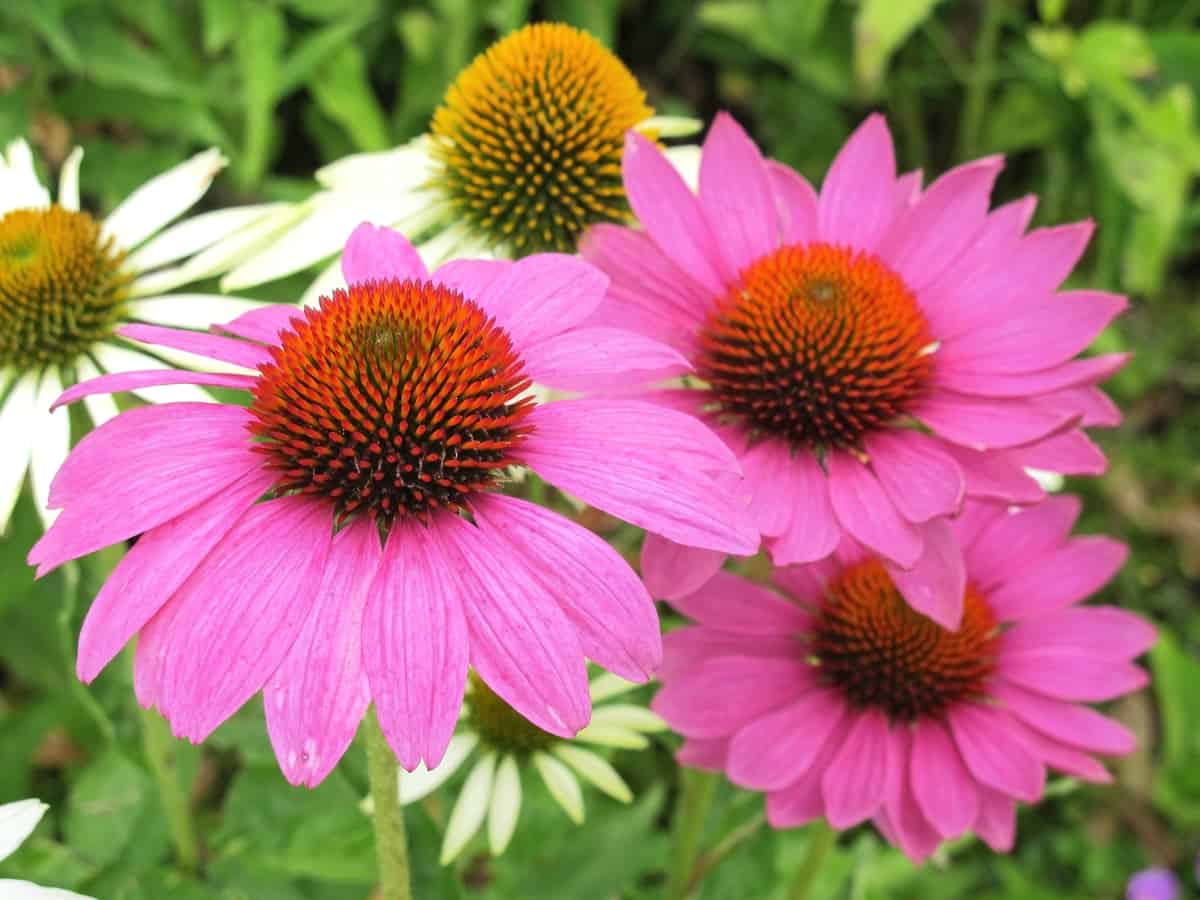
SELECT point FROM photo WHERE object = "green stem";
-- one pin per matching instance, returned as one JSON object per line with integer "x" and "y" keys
{"x": 156, "y": 742}
{"x": 391, "y": 845}
{"x": 691, "y": 811}
{"x": 820, "y": 843}
{"x": 980, "y": 81}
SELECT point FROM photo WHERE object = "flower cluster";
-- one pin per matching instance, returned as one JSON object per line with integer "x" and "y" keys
{"x": 855, "y": 382}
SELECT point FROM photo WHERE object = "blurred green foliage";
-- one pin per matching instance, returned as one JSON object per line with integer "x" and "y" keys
{"x": 1094, "y": 104}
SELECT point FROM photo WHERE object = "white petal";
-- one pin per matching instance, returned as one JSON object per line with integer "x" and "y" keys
{"x": 27, "y": 890}
{"x": 562, "y": 785}
{"x": 19, "y": 185}
{"x": 421, "y": 782}
{"x": 196, "y": 234}
{"x": 468, "y": 812}
{"x": 506, "y": 805}
{"x": 607, "y": 685}
{"x": 163, "y": 198}
{"x": 401, "y": 168}
{"x": 671, "y": 126}
{"x": 245, "y": 242}
{"x": 627, "y": 715}
{"x": 100, "y": 407}
{"x": 326, "y": 283}
{"x": 16, "y": 417}
{"x": 190, "y": 310}
{"x": 51, "y": 443}
{"x": 17, "y": 821}
{"x": 68, "y": 180}
{"x": 118, "y": 358}
{"x": 686, "y": 160}
{"x": 612, "y": 736}
{"x": 595, "y": 769}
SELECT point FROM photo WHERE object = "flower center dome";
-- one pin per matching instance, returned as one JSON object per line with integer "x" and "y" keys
{"x": 529, "y": 138}
{"x": 61, "y": 286}
{"x": 498, "y": 725}
{"x": 393, "y": 398}
{"x": 817, "y": 345}
{"x": 880, "y": 652}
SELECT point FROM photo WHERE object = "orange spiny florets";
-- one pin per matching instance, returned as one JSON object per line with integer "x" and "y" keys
{"x": 882, "y": 653}
{"x": 393, "y": 398}
{"x": 817, "y": 345}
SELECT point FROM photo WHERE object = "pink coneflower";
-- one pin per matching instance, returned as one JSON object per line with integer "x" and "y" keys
{"x": 838, "y": 699}
{"x": 392, "y": 410}
{"x": 873, "y": 355}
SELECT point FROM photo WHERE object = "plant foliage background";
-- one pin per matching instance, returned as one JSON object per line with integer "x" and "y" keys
{"x": 1094, "y": 104}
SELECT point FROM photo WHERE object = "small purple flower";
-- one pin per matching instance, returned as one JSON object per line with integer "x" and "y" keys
{"x": 1153, "y": 884}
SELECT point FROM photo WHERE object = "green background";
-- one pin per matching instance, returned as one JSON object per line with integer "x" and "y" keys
{"x": 1094, "y": 104}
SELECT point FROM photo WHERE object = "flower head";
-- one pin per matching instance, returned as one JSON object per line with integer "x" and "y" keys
{"x": 874, "y": 354}
{"x": 341, "y": 539}
{"x": 1153, "y": 884}
{"x": 69, "y": 281}
{"x": 504, "y": 743}
{"x": 17, "y": 821}
{"x": 838, "y": 699}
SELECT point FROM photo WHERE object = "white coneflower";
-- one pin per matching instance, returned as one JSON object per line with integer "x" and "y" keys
{"x": 67, "y": 284}
{"x": 522, "y": 156}
{"x": 17, "y": 821}
{"x": 502, "y": 743}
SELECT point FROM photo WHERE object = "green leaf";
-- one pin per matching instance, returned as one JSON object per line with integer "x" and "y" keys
{"x": 881, "y": 27}
{"x": 597, "y": 17}
{"x": 259, "y": 51}
{"x": 46, "y": 18}
{"x": 343, "y": 92}
{"x": 104, "y": 807}
{"x": 318, "y": 46}
{"x": 221, "y": 19}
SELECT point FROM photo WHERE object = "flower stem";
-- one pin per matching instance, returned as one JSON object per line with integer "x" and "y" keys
{"x": 391, "y": 845}
{"x": 821, "y": 841}
{"x": 157, "y": 744}
{"x": 980, "y": 81}
{"x": 695, "y": 798}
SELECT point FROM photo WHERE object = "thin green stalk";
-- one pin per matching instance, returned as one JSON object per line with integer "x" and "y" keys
{"x": 391, "y": 844}
{"x": 822, "y": 841}
{"x": 980, "y": 81}
{"x": 723, "y": 849}
{"x": 691, "y": 811}
{"x": 156, "y": 742}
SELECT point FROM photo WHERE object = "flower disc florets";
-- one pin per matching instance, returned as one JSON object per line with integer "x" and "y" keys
{"x": 394, "y": 398}
{"x": 530, "y": 135}
{"x": 61, "y": 286}
{"x": 500, "y": 726}
{"x": 882, "y": 653}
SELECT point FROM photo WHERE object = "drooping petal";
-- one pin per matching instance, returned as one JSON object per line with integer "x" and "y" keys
{"x": 813, "y": 531}
{"x": 1011, "y": 540}
{"x": 1088, "y": 370}
{"x": 1066, "y": 722}
{"x": 735, "y": 195}
{"x": 732, "y": 603}
{"x": 415, "y": 642}
{"x": 423, "y": 781}
{"x": 803, "y": 800}
{"x": 903, "y": 820}
{"x": 133, "y": 381}
{"x": 866, "y": 512}
{"x": 195, "y": 234}
{"x": 1068, "y": 453}
{"x": 994, "y": 753}
{"x": 51, "y": 434}
{"x": 585, "y": 359}
{"x": 996, "y": 823}
{"x": 856, "y": 205}
{"x": 1066, "y": 575}
{"x": 162, "y": 198}
{"x": 375, "y": 253}
{"x": 561, "y": 784}
{"x": 995, "y": 476}
{"x": 470, "y": 808}
{"x": 238, "y": 353}
{"x": 672, "y": 570}
{"x": 992, "y": 423}
{"x": 1103, "y": 631}
{"x": 946, "y": 792}
{"x": 920, "y": 477}
{"x": 773, "y": 751}
{"x": 317, "y": 697}
{"x": 1069, "y": 673}
{"x": 936, "y": 584}
{"x": 505, "y": 806}
{"x": 854, "y": 784}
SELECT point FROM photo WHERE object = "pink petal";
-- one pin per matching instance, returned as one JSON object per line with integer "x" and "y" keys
{"x": 155, "y": 567}
{"x": 996, "y": 824}
{"x": 1088, "y": 370}
{"x": 673, "y": 570}
{"x": 523, "y": 644}
{"x": 729, "y": 692}
{"x": 911, "y": 831}
{"x": 1065, "y": 759}
{"x": 1092, "y": 405}
{"x": 1103, "y": 631}
{"x": 991, "y": 423}
{"x": 472, "y": 278}
{"x": 130, "y": 381}
{"x": 236, "y": 617}
{"x": 415, "y": 642}
{"x": 857, "y": 199}
{"x": 735, "y": 195}
{"x": 935, "y": 231}
{"x": 238, "y": 353}
{"x": 943, "y": 788}
{"x": 693, "y": 647}
{"x": 995, "y": 476}
{"x": 813, "y": 530}
{"x": 732, "y": 603}
{"x": 609, "y": 606}
{"x": 994, "y": 753}
{"x": 867, "y": 513}
{"x": 1012, "y": 539}
{"x": 1069, "y": 452}
{"x": 376, "y": 253}
{"x": 671, "y": 214}
{"x": 802, "y": 800}
{"x": 543, "y": 295}
{"x": 1071, "y": 674}
{"x": 698, "y": 753}
{"x": 775, "y": 750}
{"x": 921, "y": 478}
{"x": 1062, "y": 577}
{"x": 642, "y": 463}
{"x": 937, "y": 584}
{"x": 856, "y": 779}
{"x": 774, "y": 493}
{"x": 317, "y": 697}
{"x": 797, "y": 204}
{"x": 263, "y": 324}
{"x": 591, "y": 358}
{"x": 1065, "y": 722}
{"x": 141, "y": 476}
